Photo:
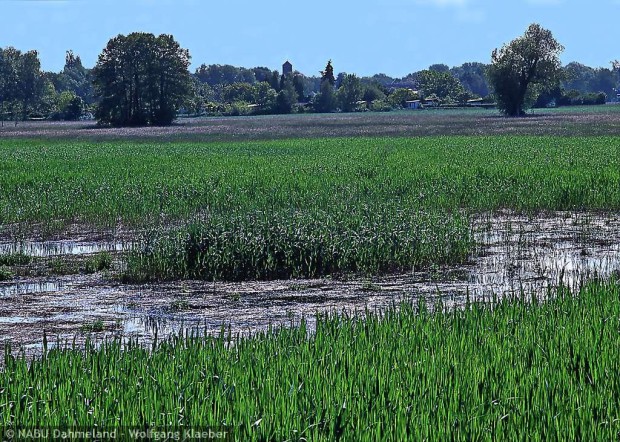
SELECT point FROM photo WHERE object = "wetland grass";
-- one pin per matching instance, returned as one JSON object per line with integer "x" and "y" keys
{"x": 299, "y": 208}
{"x": 516, "y": 369}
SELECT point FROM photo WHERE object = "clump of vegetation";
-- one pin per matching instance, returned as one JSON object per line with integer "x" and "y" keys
{"x": 98, "y": 263}
{"x": 93, "y": 327}
{"x": 283, "y": 245}
{"x": 512, "y": 370}
{"x": 58, "y": 266}
{"x": 15, "y": 259}
{"x": 5, "y": 273}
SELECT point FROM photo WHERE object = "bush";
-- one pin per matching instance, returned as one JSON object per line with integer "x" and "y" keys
{"x": 380, "y": 106}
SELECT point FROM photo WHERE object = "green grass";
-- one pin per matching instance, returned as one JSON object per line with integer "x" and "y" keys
{"x": 15, "y": 259}
{"x": 5, "y": 273}
{"x": 299, "y": 208}
{"x": 381, "y": 238}
{"x": 147, "y": 183}
{"x": 519, "y": 370}
{"x": 96, "y": 326}
{"x": 97, "y": 263}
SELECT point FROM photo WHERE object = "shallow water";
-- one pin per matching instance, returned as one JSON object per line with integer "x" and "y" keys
{"x": 515, "y": 254}
{"x": 64, "y": 247}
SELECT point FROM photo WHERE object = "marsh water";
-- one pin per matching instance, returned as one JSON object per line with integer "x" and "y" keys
{"x": 515, "y": 255}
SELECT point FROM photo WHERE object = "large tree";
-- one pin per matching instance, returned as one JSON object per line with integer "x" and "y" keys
{"x": 350, "y": 92}
{"x": 524, "y": 67}
{"x": 442, "y": 84}
{"x": 328, "y": 74}
{"x": 31, "y": 81}
{"x": 141, "y": 79}
{"x": 21, "y": 81}
{"x": 473, "y": 77}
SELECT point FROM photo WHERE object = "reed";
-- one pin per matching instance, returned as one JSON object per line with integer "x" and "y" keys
{"x": 515, "y": 369}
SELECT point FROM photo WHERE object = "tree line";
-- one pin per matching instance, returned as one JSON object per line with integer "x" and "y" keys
{"x": 142, "y": 79}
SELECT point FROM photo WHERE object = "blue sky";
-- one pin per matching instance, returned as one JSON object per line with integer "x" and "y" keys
{"x": 365, "y": 36}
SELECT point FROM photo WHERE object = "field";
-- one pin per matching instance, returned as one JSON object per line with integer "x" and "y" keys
{"x": 511, "y": 370}
{"x": 454, "y": 228}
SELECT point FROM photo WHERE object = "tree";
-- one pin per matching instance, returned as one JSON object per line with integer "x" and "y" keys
{"x": 21, "y": 81}
{"x": 328, "y": 74}
{"x": 350, "y": 92}
{"x": 141, "y": 79}
{"x": 473, "y": 78}
{"x": 373, "y": 92}
{"x": 287, "y": 97}
{"x": 399, "y": 97}
{"x": 8, "y": 78}
{"x": 70, "y": 105}
{"x": 442, "y": 68}
{"x": 325, "y": 100}
{"x": 239, "y": 92}
{"x": 265, "y": 96}
{"x": 443, "y": 85}
{"x": 224, "y": 74}
{"x": 31, "y": 81}
{"x": 75, "y": 78}
{"x": 520, "y": 69}
{"x": 298, "y": 83}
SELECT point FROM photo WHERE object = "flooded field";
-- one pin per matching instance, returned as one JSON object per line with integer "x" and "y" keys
{"x": 514, "y": 255}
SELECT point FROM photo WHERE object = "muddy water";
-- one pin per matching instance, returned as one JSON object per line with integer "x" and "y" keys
{"x": 514, "y": 254}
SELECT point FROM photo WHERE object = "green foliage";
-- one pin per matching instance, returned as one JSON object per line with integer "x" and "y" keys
{"x": 74, "y": 78}
{"x": 287, "y": 97}
{"x": 15, "y": 259}
{"x": 587, "y": 80}
{"x": 442, "y": 85}
{"x": 141, "y": 79}
{"x": 328, "y": 74}
{"x": 93, "y": 327}
{"x": 512, "y": 370}
{"x": 349, "y": 92}
{"x": 298, "y": 83}
{"x": 98, "y": 263}
{"x": 373, "y": 92}
{"x": 70, "y": 106}
{"x": 524, "y": 67}
{"x": 375, "y": 238}
{"x": 136, "y": 183}
{"x": 226, "y": 74}
{"x": 380, "y": 106}
{"x": 398, "y": 97}
{"x": 473, "y": 78}
{"x": 5, "y": 273}
{"x": 325, "y": 101}
{"x": 265, "y": 96}
{"x": 58, "y": 266}
{"x": 239, "y": 92}
{"x": 21, "y": 82}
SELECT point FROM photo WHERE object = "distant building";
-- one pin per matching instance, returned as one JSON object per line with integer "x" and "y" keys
{"x": 287, "y": 68}
{"x": 431, "y": 102}
{"x": 413, "y": 104}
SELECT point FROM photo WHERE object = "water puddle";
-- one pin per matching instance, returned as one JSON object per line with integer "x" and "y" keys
{"x": 515, "y": 254}
{"x": 43, "y": 249}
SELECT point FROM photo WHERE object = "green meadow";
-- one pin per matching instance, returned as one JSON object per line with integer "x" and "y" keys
{"x": 516, "y": 369}
{"x": 519, "y": 368}
{"x": 299, "y": 208}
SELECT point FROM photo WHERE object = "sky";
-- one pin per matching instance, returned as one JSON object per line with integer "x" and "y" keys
{"x": 365, "y": 37}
